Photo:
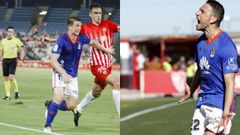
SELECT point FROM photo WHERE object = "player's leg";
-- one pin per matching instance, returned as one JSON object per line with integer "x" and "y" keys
{"x": 89, "y": 97}
{"x": 71, "y": 93}
{"x": 53, "y": 107}
{"x": 5, "y": 67}
{"x": 13, "y": 81}
{"x": 198, "y": 120}
{"x": 99, "y": 85}
{"x": 115, "y": 92}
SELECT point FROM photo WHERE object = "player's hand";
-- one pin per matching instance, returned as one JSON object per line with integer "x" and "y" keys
{"x": 110, "y": 50}
{"x": 186, "y": 95}
{"x": 223, "y": 122}
{"x": 66, "y": 78}
{"x": 20, "y": 61}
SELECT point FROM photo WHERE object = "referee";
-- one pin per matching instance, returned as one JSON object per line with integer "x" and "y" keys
{"x": 10, "y": 46}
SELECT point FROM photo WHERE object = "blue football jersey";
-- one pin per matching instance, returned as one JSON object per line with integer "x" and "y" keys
{"x": 70, "y": 52}
{"x": 214, "y": 59}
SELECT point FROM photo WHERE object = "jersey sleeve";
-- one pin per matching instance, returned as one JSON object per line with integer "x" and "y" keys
{"x": 229, "y": 58}
{"x": 1, "y": 45}
{"x": 19, "y": 43}
{"x": 113, "y": 26}
{"x": 58, "y": 46}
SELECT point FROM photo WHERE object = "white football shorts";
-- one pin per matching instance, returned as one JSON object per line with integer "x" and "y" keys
{"x": 206, "y": 117}
{"x": 70, "y": 89}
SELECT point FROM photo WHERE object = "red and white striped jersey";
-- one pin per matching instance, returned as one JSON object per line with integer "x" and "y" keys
{"x": 103, "y": 33}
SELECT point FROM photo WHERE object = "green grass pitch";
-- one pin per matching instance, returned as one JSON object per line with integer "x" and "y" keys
{"x": 171, "y": 121}
{"x": 100, "y": 118}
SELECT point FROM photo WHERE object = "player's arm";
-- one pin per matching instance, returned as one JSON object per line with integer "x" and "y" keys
{"x": 48, "y": 39}
{"x": 118, "y": 28}
{"x": 1, "y": 52}
{"x": 58, "y": 67}
{"x": 229, "y": 92}
{"x": 189, "y": 91}
{"x": 20, "y": 49}
{"x": 97, "y": 45}
{"x": 22, "y": 53}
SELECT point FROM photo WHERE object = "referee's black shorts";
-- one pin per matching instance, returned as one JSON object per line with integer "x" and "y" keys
{"x": 9, "y": 66}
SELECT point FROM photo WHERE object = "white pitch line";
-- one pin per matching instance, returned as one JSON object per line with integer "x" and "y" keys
{"x": 25, "y": 128}
{"x": 23, "y": 100}
{"x": 161, "y": 107}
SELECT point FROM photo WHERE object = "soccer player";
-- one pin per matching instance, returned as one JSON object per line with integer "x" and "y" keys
{"x": 101, "y": 64}
{"x": 216, "y": 57}
{"x": 65, "y": 60}
{"x": 9, "y": 49}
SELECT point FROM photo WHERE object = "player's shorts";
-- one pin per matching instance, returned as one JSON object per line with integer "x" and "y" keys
{"x": 70, "y": 89}
{"x": 206, "y": 118}
{"x": 101, "y": 73}
{"x": 9, "y": 66}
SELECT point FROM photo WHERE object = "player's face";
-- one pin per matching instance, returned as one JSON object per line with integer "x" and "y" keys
{"x": 10, "y": 33}
{"x": 96, "y": 15}
{"x": 75, "y": 28}
{"x": 204, "y": 16}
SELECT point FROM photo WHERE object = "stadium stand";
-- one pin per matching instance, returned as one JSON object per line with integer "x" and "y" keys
{"x": 3, "y": 10}
{"x": 53, "y": 24}
{"x": 84, "y": 14}
{"x": 115, "y": 16}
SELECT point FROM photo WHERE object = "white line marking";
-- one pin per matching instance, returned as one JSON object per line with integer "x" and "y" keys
{"x": 25, "y": 128}
{"x": 161, "y": 107}
{"x": 23, "y": 100}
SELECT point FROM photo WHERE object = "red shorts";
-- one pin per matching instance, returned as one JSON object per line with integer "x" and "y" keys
{"x": 101, "y": 73}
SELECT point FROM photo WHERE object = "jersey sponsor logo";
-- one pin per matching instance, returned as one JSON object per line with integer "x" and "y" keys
{"x": 104, "y": 30}
{"x": 55, "y": 48}
{"x": 231, "y": 64}
{"x": 212, "y": 53}
{"x": 204, "y": 65}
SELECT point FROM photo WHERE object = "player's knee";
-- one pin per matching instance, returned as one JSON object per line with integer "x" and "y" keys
{"x": 10, "y": 78}
{"x": 58, "y": 98}
{"x": 115, "y": 85}
{"x": 71, "y": 106}
{"x": 6, "y": 79}
{"x": 97, "y": 93}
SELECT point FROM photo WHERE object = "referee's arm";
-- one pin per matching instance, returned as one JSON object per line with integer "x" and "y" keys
{"x": 1, "y": 51}
{"x": 22, "y": 53}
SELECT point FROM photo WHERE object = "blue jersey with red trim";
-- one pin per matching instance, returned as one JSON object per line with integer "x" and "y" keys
{"x": 214, "y": 59}
{"x": 70, "y": 52}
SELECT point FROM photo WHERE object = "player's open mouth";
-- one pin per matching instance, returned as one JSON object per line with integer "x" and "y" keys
{"x": 198, "y": 21}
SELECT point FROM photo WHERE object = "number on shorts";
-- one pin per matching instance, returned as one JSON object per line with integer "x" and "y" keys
{"x": 195, "y": 125}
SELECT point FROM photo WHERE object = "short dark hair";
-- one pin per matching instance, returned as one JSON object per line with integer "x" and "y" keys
{"x": 10, "y": 27}
{"x": 71, "y": 19}
{"x": 95, "y": 5}
{"x": 218, "y": 10}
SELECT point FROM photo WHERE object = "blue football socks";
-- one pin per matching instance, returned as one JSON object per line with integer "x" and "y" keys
{"x": 52, "y": 112}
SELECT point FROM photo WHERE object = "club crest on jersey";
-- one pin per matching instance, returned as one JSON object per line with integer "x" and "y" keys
{"x": 104, "y": 30}
{"x": 212, "y": 53}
